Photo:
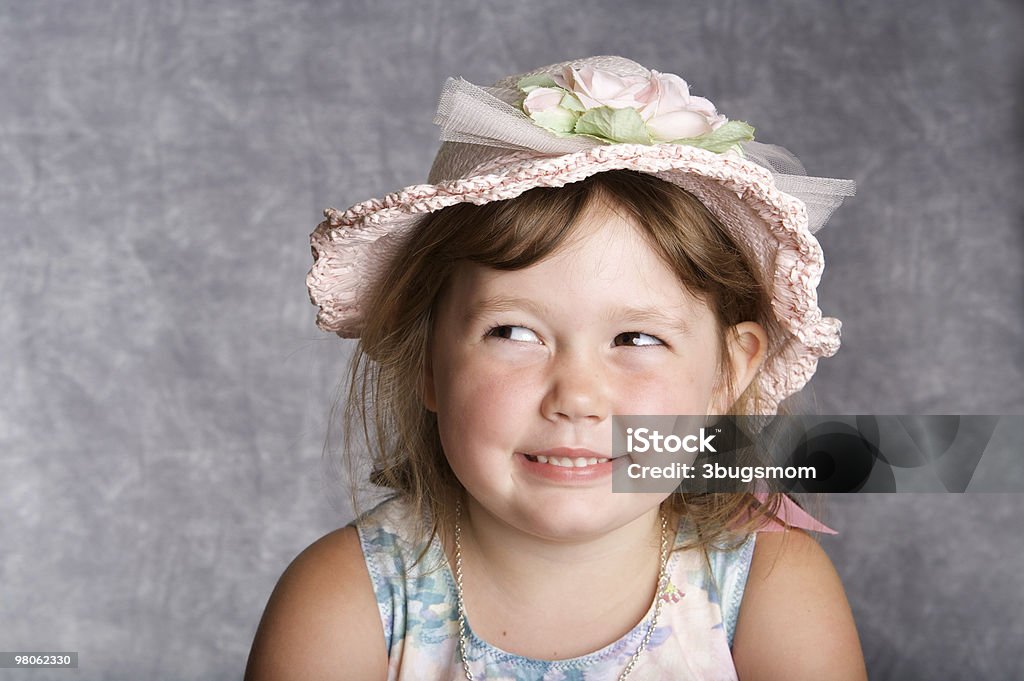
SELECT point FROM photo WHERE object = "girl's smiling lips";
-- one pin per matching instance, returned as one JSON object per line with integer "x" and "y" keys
{"x": 567, "y": 464}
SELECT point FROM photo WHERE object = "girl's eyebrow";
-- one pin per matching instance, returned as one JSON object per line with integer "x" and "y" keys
{"x": 673, "y": 319}
{"x": 652, "y": 315}
{"x": 501, "y": 303}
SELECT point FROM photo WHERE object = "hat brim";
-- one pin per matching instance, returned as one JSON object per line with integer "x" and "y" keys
{"x": 351, "y": 248}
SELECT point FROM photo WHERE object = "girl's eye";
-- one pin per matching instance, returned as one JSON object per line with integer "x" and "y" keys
{"x": 520, "y": 334}
{"x": 636, "y": 339}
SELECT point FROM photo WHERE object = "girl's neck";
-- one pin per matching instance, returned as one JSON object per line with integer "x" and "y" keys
{"x": 507, "y": 550}
{"x": 557, "y": 599}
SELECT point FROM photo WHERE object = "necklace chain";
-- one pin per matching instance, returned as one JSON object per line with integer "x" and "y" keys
{"x": 461, "y": 606}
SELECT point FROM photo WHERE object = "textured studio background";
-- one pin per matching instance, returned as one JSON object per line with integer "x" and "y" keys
{"x": 165, "y": 394}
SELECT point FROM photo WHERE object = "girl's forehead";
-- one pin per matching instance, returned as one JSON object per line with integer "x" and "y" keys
{"x": 607, "y": 265}
{"x": 606, "y": 246}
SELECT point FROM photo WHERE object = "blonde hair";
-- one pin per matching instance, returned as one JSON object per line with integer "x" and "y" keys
{"x": 385, "y": 407}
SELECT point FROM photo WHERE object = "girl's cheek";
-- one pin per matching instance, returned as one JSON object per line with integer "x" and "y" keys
{"x": 660, "y": 392}
{"x": 500, "y": 371}
{"x": 496, "y": 361}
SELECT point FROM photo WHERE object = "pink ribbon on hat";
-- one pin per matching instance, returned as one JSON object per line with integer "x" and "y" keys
{"x": 790, "y": 515}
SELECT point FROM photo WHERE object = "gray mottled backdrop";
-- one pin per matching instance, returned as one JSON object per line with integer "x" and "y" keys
{"x": 165, "y": 395}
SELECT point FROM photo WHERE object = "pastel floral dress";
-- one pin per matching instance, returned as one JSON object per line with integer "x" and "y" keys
{"x": 420, "y": 619}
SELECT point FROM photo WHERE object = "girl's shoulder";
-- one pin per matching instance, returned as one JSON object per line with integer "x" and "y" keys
{"x": 322, "y": 619}
{"x": 795, "y": 622}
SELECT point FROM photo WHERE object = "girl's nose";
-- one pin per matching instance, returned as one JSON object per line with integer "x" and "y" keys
{"x": 578, "y": 390}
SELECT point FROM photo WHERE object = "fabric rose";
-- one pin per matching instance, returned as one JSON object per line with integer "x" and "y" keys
{"x": 671, "y": 113}
{"x": 653, "y": 109}
{"x": 553, "y": 108}
{"x": 594, "y": 88}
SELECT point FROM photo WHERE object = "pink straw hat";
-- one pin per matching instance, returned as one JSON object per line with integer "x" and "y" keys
{"x": 568, "y": 121}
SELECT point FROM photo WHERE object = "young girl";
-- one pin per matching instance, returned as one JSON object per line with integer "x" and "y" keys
{"x": 593, "y": 241}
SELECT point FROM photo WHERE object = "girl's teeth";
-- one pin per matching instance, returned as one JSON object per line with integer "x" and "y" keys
{"x": 566, "y": 462}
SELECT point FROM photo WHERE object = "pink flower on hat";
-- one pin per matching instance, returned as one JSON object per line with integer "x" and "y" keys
{"x": 651, "y": 109}
{"x": 553, "y": 108}
{"x": 594, "y": 87}
{"x": 671, "y": 112}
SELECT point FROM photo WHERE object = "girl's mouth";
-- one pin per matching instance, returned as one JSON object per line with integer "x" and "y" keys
{"x": 566, "y": 461}
{"x": 568, "y": 465}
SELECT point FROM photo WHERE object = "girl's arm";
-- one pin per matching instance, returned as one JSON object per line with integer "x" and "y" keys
{"x": 322, "y": 621}
{"x": 795, "y": 623}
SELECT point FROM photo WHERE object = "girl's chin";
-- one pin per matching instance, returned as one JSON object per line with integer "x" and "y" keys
{"x": 579, "y": 518}
{"x": 573, "y": 527}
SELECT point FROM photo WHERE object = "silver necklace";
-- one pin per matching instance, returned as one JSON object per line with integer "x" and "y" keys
{"x": 461, "y": 606}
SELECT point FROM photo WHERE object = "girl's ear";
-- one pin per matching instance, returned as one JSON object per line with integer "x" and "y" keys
{"x": 748, "y": 344}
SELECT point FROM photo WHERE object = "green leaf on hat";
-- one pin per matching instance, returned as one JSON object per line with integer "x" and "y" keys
{"x": 616, "y": 125}
{"x": 570, "y": 101}
{"x": 535, "y": 81}
{"x": 557, "y": 120}
{"x": 724, "y": 138}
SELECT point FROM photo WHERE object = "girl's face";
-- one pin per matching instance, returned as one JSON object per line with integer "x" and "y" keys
{"x": 536, "y": 361}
